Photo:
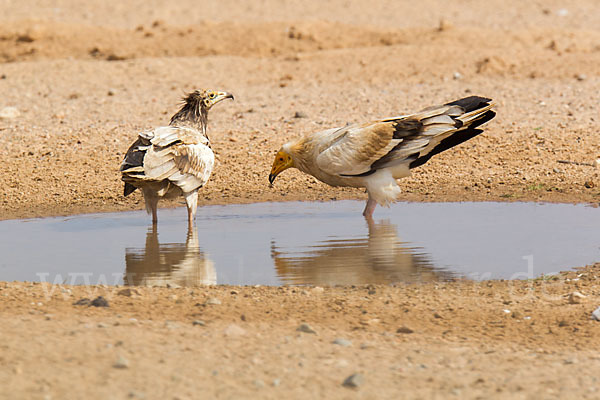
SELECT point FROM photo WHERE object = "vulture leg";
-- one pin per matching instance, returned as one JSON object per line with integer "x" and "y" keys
{"x": 191, "y": 200}
{"x": 151, "y": 200}
{"x": 369, "y": 208}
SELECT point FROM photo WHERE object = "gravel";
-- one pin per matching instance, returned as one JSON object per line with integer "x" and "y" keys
{"x": 300, "y": 114}
{"x": 121, "y": 363}
{"x": 213, "y": 301}
{"x": 99, "y": 302}
{"x": 9, "y": 113}
{"x": 306, "y": 328}
{"x": 404, "y": 329}
{"x": 354, "y": 381}
{"x": 342, "y": 342}
{"x": 596, "y": 314}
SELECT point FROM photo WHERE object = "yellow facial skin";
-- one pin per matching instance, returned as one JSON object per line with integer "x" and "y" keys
{"x": 282, "y": 162}
{"x": 213, "y": 98}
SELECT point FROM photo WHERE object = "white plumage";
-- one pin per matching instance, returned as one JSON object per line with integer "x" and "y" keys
{"x": 375, "y": 154}
{"x": 173, "y": 160}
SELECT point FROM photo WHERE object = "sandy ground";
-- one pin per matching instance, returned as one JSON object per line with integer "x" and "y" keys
{"x": 459, "y": 340}
{"x": 86, "y": 77}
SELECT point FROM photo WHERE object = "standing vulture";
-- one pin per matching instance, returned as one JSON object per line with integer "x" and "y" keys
{"x": 375, "y": 154}
{"x": 176, "y": 159}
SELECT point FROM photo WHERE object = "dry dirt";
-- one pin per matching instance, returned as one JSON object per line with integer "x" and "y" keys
{"x": 86, "y": 77}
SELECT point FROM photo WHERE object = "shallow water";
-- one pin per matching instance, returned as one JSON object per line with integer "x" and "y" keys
{"x": 303, "y": 243}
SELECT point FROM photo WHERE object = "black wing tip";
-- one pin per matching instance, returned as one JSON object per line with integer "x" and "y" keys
{"x": 455, "y": 139}
{"x": 471, "y": 103}
{"x": 128, "y": 189}
{"x": 485, "y": 117}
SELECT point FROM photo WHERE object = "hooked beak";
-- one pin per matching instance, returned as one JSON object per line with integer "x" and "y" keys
{"x": 282, "y": 162}
{"x": 222, "y": 96}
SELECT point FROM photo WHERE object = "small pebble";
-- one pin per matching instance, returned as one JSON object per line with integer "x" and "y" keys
{"x": 99, "y": 302}
{"x": 83, "y": 302}
{"x": 9, "y": 113}
{"x": 596, "y": 314}
{"x": 342, "y": 342}
{"x": 404, "y": 329}
{"x": 213, "y": 301}
{"x": 199, "y": 323}
{"x": 121, "y": 363}
{"x": 300, "y": 114}
{"x": 354, "y": 381}
{"x": 576, "y": 298}
{"x": 306, "y": 328}
{"x": 259, "y": 383}
{"x": 444, "y": 25}
{"x": 276, "y": 382}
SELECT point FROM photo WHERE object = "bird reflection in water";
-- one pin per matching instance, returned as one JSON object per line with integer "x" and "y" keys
{"x": 378, "y": 259}
{"x": 182, "y": 264}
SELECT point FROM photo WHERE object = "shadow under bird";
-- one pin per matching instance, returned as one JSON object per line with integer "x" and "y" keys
{"x": 375, "y": 154}
{"x": 174, "y": 160}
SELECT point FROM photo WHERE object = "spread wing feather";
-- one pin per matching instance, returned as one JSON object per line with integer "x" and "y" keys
{"x": 360, "y": 150}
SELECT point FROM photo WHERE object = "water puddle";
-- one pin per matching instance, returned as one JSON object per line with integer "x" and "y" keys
{"x": 303, "y": 243}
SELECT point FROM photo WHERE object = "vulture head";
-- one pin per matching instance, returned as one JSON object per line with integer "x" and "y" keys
{"x": 196, "y": 105}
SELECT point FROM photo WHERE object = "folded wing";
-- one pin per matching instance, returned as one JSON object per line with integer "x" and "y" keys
{"x": 178, "y": 155}
{"x": 360, "y": 150}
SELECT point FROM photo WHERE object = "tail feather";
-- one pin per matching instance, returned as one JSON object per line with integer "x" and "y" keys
{"x": 471, "y": 103}
{"x": 460, "y": 136}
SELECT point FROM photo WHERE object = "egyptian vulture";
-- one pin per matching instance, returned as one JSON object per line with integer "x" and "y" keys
{"x": 375, "y": 154}
{"x": 176, "y": 159}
